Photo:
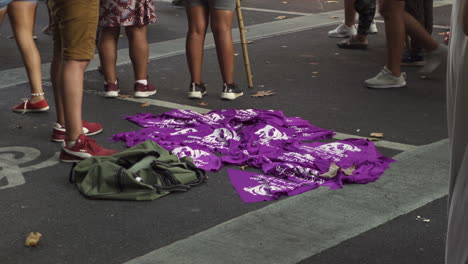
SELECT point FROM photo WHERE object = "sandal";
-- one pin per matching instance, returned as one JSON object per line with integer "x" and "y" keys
{"x": 348, "y": 44}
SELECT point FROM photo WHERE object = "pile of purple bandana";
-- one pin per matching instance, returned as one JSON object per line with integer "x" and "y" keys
{"x": 263, "y": 139}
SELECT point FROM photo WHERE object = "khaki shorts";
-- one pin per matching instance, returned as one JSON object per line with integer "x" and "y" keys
{"x": 75, "y": 25}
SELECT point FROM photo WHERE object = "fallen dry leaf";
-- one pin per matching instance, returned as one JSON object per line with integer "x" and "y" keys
{"x": 263, "y": 93}
{"x": 377, "y": 134}
{"x": 331, "y": 2}
{"x": 33, "y": 239}
{"x": 124, "y": 96}
{"x": 284, "y": 2}
{"x": 373, "y": 139}
{"x": 145, "y": 105}
{"x": 349, "y": 171}
{"x": 236, "y": 54}
{"x": 315, "y": 73}
{"x": 332, "y": 171}
{"x": 243, "y": 167}
{"x": 249, "y": 42}
{"x": 202, "y": 104}
{"x": 281, "y": 17}
{"x": 422, "y": 219}
{"x": 334, "y": 17}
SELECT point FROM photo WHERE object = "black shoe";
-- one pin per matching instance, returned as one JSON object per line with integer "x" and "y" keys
{"x": 197, "y": 91}
{"x": 231, "y": 92}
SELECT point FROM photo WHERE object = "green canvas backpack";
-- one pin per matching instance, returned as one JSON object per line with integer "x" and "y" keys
{"x": 144, "y": 172}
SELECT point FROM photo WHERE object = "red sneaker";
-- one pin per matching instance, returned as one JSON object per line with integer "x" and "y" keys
{"x": 84, "y": 148}
{"x": 142, "y": 90}
{"x": 26, "y": 106}
{"x": 89, "y": 129}
{"x": 111, "y": 90}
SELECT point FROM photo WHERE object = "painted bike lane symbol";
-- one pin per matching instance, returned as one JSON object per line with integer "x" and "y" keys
{"x": 12, "y": 157}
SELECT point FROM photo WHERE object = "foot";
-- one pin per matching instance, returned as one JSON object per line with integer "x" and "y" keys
{"x": 143, "y": 91}
{"x": 434, "y": 59}
{"x": 197, "y": 91}
{"x": 409, "y": 59}
{"x": 89, "y": 129}
{"x": 385, "y": 79}
{"x": 353, "y": 42}
{"x": 231, "y": 92}
{"x": 111, "y": 90}
{"x": 342, "y": 31}
{"x": 84, "y": 148}
{"x": 26, "y": 106}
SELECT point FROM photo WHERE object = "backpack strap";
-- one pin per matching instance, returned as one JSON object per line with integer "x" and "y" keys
{"x": 132, "y": 158}
{"x": 201, "y": 174}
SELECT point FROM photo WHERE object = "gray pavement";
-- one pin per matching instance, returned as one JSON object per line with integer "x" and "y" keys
{"x": 374, "y": 223}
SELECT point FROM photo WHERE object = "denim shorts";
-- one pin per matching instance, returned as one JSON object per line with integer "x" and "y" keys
{"x": 214, "y": 4}
{"x": 5, "y": 3}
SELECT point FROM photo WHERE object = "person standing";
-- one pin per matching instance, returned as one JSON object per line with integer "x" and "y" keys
{"x": 22, "y": 15}
{"x": 134, "y": 16}
{"x": 457, "y": 106}
{"x": 220, "y": 14}
{"x": 74, "y": 32}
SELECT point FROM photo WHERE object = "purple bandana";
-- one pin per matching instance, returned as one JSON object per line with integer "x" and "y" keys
{"x": 263, "y": 139}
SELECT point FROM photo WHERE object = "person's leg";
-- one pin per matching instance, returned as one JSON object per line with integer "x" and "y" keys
{"x": 138, "y": 50}
{"x": 3, "y": 12}
{"x": 394, "y": 15}
{"x": 346, "y": 29}
{"x": 56, "y": 79}
{"x": 72, "y": 77}
{"x": 22, "y": 20}
{"x": 366, "y": 10}
{"x": 221, "y": 25}
{"x": 350, "y": 13}
{"x": 107, "y": 47}
{"x": 197, "y": 26}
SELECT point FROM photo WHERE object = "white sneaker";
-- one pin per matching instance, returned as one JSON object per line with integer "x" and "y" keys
{"x": 385, "y": 79}
{"x": 373, "y": 29}
{"x": 342, "y": 31}
{"x": 434, "y": 59}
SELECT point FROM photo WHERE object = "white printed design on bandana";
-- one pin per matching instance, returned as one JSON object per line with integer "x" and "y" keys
{"x": 246, "y": 114}
{"x": 335, "y": 151}
{"x": 195, "y": 154}
{"x": 212, "y": 118}
{"x": 272, "y": 185}
{"x": 220, "y": 137}
{"x": 296, "y": 157}
{"x": 269, "y": 133}
{"x": 184, "y": 131}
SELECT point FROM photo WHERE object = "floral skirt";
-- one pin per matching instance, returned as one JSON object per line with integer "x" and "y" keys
{"x": 116, "y": 13}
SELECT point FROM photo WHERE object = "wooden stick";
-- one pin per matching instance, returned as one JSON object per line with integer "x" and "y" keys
{"x": 245, "y": 50}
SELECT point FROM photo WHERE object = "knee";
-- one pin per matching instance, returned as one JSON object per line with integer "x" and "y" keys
{"x": 198, "y": 31}
{"x": 221, "y": 29}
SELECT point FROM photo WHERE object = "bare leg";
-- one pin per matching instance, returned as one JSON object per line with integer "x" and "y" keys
{"x": 419, "y": 34}
{"x": 2, "y": 15}
{"x": 221, "y": 25}
{"x": 350, "y": 13}
{"x": 56, "y": 78}
{"x": 198, "y": 24}
{"x": 139, "y": 51}
{"x": 71, "y": 89}
{"x": 108, "y": 52}
{"x": 394, "y": 13}
{"x": 22, "y": 20}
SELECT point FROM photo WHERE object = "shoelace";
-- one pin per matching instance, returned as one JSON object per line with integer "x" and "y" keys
{"x": 25, "y": 105}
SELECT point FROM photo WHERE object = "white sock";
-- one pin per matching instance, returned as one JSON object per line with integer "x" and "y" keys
{"x": 71, "y": 143}
{"x": 107, "y": 82}
{"x": 144, "y": 82}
